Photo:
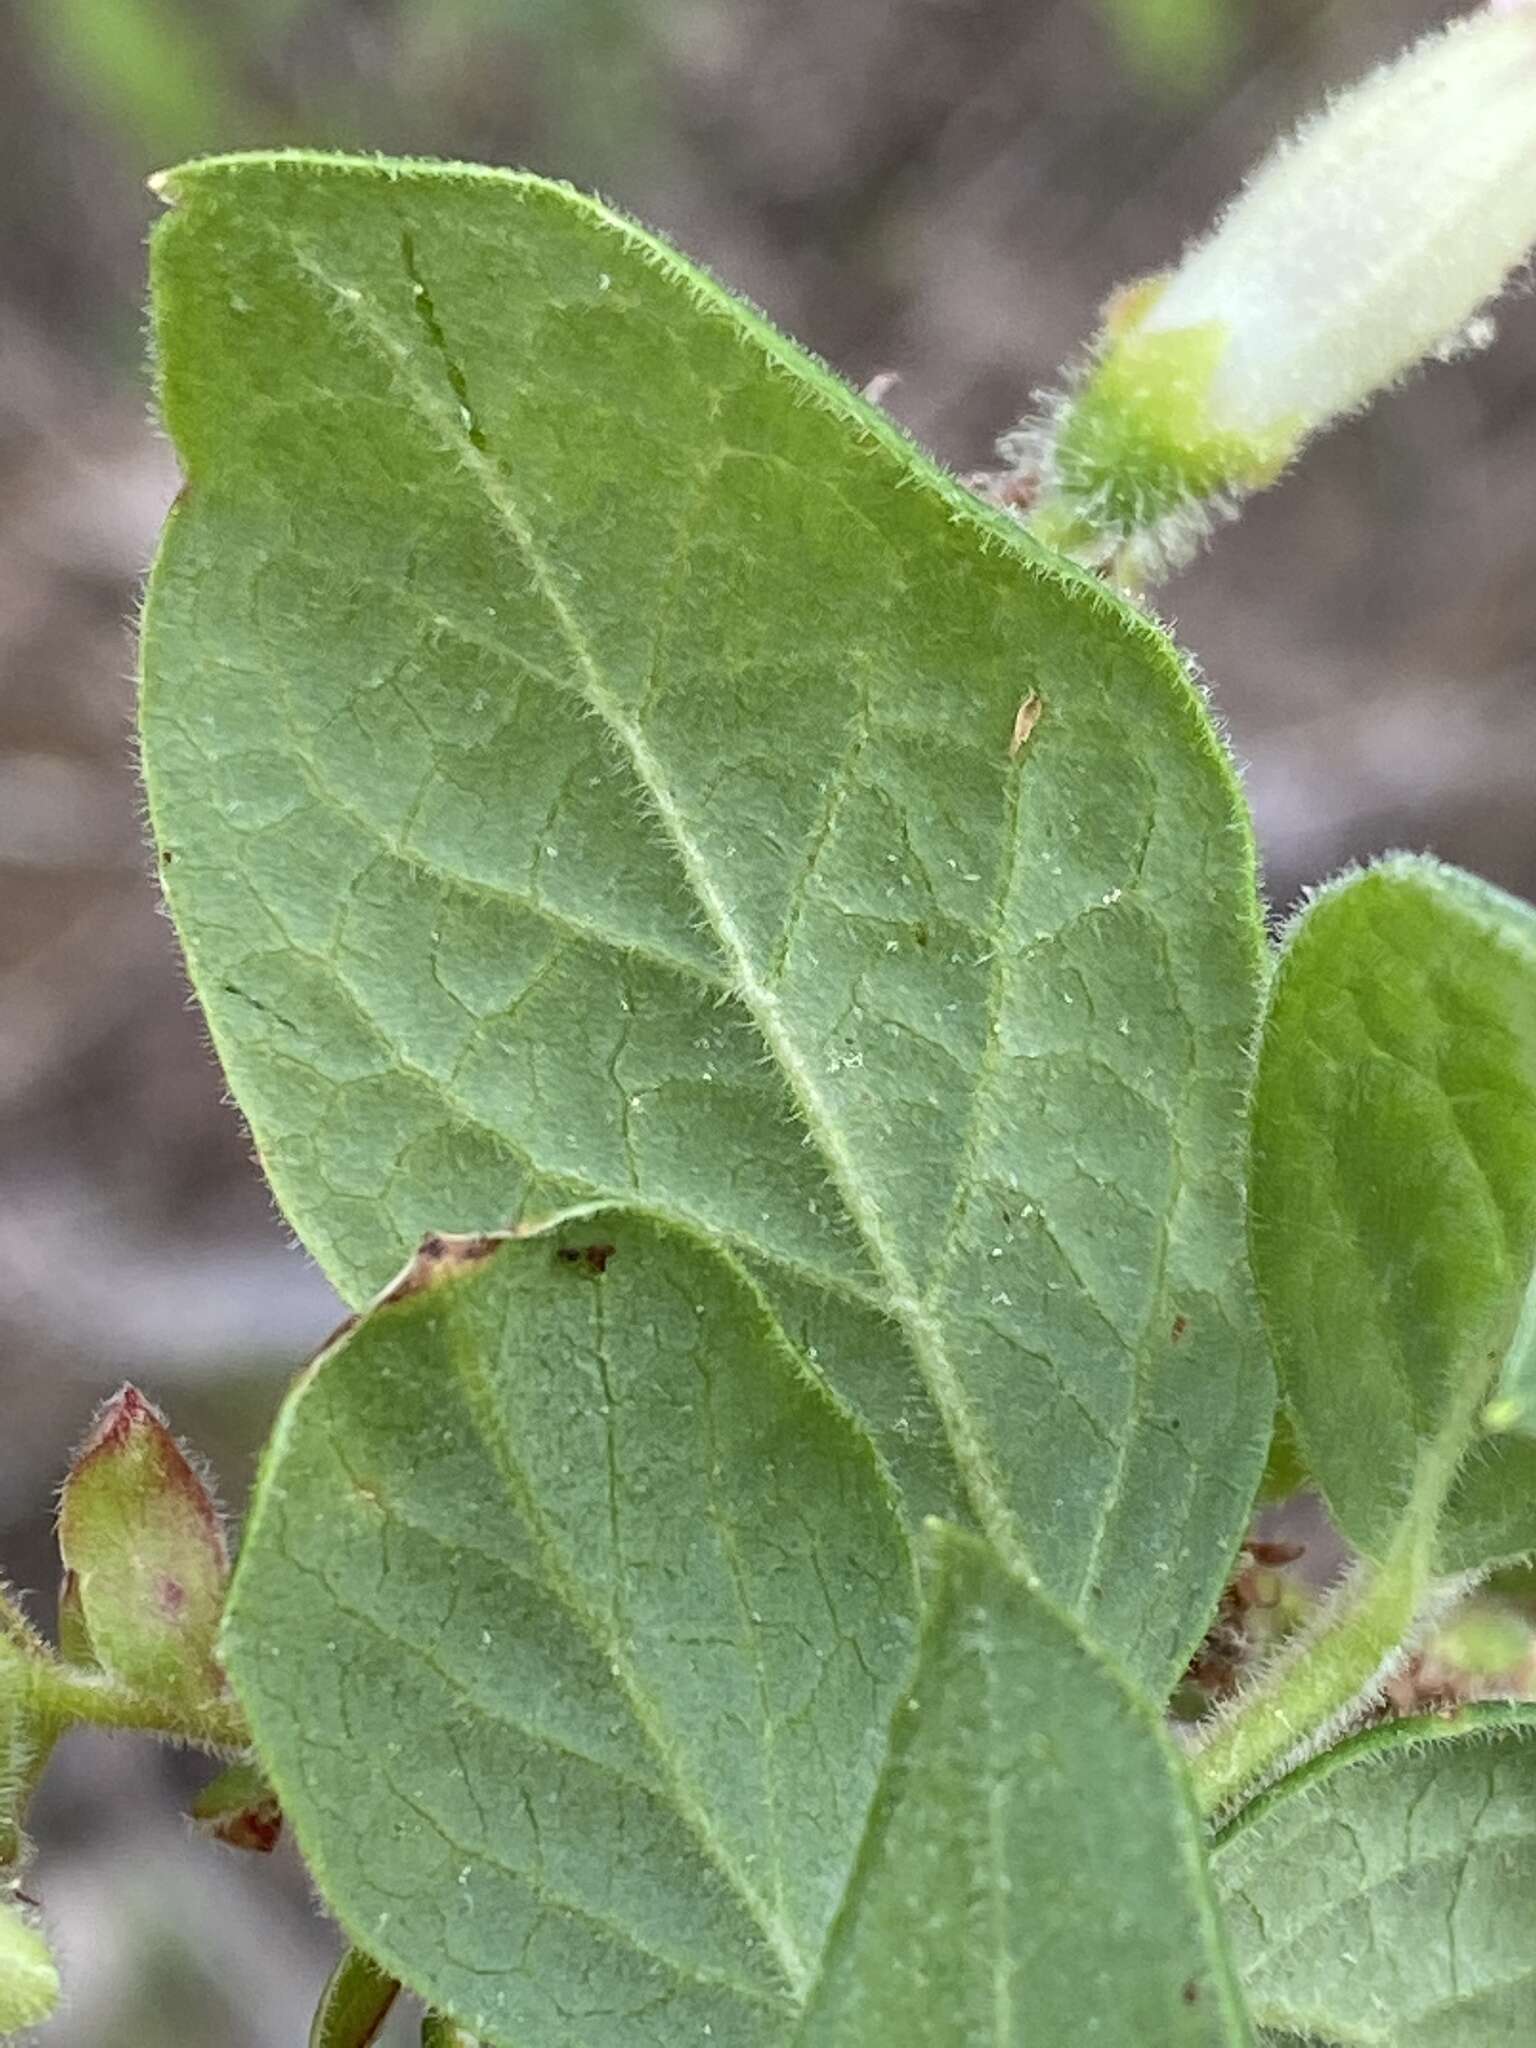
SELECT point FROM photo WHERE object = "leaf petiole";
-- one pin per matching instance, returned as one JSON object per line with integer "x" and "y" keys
{"x": 1362, "y": 1634}
{"x": 64, "y": 1695}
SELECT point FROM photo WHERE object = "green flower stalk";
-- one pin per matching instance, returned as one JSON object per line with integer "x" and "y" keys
{"x": 1370, "y": 240}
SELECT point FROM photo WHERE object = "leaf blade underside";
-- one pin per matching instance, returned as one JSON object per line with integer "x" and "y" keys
{"x": 1034, "y": 1870}
{"x": 569, "y": 1621}
{"x": 1394, "y": 1203}
{"x": 578, "y": 736}
{"x": 1383, "y": 1898}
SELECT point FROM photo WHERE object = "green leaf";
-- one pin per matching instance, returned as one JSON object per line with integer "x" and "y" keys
{"x": 1034, "y": 1870}
{"x": 169, "y": 81}
{"x": 586, "y": 753}
{"x": 1393, "y": 1223}
{"x": 569, "y": 1621}
{"x": 1394, "y": 1203}
{"x": 440, "y": 2032}
{"x": 1385, "y": 1896}
{"x": 29, "y": 1980}
{"x": 355, "y": 2004}
{"x": 1181, "y": 45}
{"x": 1514, "y": 1407}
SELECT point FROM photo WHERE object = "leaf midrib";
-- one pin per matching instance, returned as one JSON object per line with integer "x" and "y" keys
{"x": 480, "y": 1397}
{"x": 618, "y": 1930}
{"x": 905, "y": 1303}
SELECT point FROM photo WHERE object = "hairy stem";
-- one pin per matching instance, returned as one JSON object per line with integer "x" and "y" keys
{"x": 67, "y": 1695}
{"x": 1317, "y": 1685}
{"x": 1308, "y": 1694}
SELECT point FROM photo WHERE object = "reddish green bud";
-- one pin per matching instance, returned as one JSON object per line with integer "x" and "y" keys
{"x": 29, "y": 1982}
{"x": 145, "y": 1544}
{"x": 354, "y": 2005}
{"x": 240, "y": 1808}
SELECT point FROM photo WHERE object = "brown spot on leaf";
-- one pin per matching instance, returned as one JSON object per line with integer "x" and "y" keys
{"x": 594, "y": 1257}
{"x": 440, "y": 1256}
{"x": 343, "y": 1329}
{"x": 1191, "y": 1993}
{"x": 1025, "y": 720}
{"x": 1180, "y": 1325}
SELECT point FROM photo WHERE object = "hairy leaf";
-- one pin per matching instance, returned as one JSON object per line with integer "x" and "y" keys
{"x": 1385, "y": 1896}
{"x": 29, "y": 1978}
{"x": 1034, "y": 1871}
{"x": 570, "y": 1620}
{"x": 593, "y": 755}
{"x": 1514, "y": 1406}
{"x": 355, "y": 2004}
{"x": 1394, "y": 1201}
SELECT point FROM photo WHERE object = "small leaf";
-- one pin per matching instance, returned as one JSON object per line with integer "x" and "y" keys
{"x": 1033, "y": 1872}
{"x": 146, "y": 1546}
{"x": 1385, "y": 1896}
{"x": 354, "y": 2005}
{"x": 240, "y": 1809}
{"x": 569, "y": 1619}
{"x": 74, "y": 1636}
{"x": 1394, "y": 1203}
{"x": 438, "y": 2031}
{"x": 580, "y": 737}
{"x": 29, "y": 1978}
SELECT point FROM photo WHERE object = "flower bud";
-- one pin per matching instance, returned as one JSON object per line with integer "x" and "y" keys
{"x": 29, "y": 1982}
{"x": 145, "y": 1545}
{"x": 240, "y": 1809}
{"x": 1370, "y": 240}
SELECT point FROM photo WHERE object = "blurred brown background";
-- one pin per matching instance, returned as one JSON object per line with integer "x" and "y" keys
{"x": 945, "y": 188}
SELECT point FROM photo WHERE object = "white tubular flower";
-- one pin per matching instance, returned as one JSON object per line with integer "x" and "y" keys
{"x": 1371, "y": 239}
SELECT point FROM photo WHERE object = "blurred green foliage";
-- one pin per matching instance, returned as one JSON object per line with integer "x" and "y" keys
{"x": 171, "y": 78}
{"x": 1181, "y": 45}
{"x": 167, "y": 75}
